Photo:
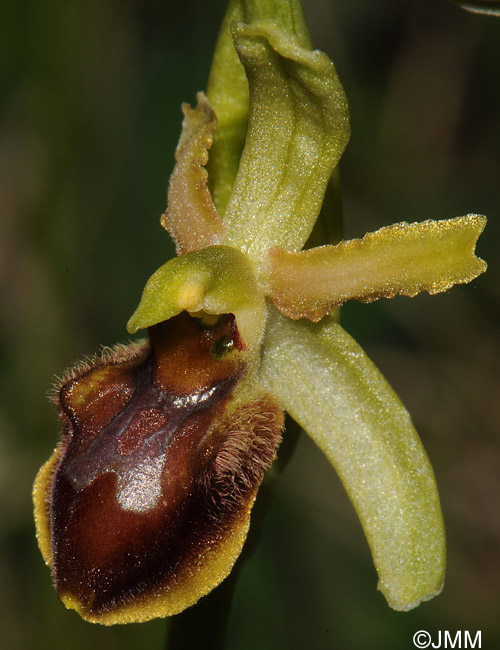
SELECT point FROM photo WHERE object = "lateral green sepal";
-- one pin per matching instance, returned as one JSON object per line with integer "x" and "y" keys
{"x": 402, "y": 259}
{"x": 366, "y": 433}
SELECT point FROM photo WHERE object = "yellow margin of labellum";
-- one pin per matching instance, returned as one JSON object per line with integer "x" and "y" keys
{"x": 180, "y": 597}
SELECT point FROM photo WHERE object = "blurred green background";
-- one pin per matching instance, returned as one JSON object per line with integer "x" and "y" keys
{"x": 90, "y": 116}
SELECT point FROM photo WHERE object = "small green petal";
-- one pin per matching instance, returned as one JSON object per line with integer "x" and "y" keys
{"x": 192, "y": 219}
{"x": 298, "y": 128}
{"x": 214, "y": 280}
{"x": 366, "y": 433}
{"x": 402, "y": 259}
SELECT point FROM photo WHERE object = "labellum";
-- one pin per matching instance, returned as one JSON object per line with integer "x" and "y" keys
{"x": 144, "y": 505}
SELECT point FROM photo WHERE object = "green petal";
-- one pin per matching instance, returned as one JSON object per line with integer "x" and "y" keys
{"x": 227, "y": 87}
{"x": 298, "y": 128}
{"x": 214, "y": 280}
{"x": 192, "y": 219}
{"x": 366, "y": 433}
{"x": 402, "y": 259}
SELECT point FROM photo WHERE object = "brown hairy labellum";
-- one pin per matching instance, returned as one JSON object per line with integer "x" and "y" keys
{"x": 144, "y": 506}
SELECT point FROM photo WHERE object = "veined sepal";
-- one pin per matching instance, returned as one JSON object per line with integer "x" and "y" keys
{"x": 227, "y": 87}
{"x": 363, "y": 429}
{"x": 401, "y": 259}
{"x": 298, "y": 128}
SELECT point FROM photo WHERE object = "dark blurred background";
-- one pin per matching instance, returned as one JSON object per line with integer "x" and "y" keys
{"x": 90, "y": 116}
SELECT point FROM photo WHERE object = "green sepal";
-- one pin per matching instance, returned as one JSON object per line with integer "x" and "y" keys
{"x": 227, "y": 87}
{"x": 402, "y": 259}
{"x": 213, "y": 280}
{"x": 298, "y": 128}
{"x": 366, "y": 433}
{"x": 227, "y": 91}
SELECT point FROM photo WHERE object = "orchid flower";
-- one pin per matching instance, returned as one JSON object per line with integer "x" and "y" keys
{"x": 145, "y": 504}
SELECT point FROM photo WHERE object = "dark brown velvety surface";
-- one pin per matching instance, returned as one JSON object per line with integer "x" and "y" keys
{"x": 155, "y": 471}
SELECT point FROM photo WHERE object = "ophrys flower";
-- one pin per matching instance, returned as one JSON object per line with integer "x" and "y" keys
{"x": 145, "y": 504}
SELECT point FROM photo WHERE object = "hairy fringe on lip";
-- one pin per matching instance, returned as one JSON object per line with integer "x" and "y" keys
{"x": 249, "y": 439}
{"x": 107, "y": 354}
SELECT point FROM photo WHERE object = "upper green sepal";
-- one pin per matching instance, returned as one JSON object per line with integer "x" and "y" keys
{"x": 213, "y": 280}
{"x": 297, "y": 130}
{"x": 227, "y": 87}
